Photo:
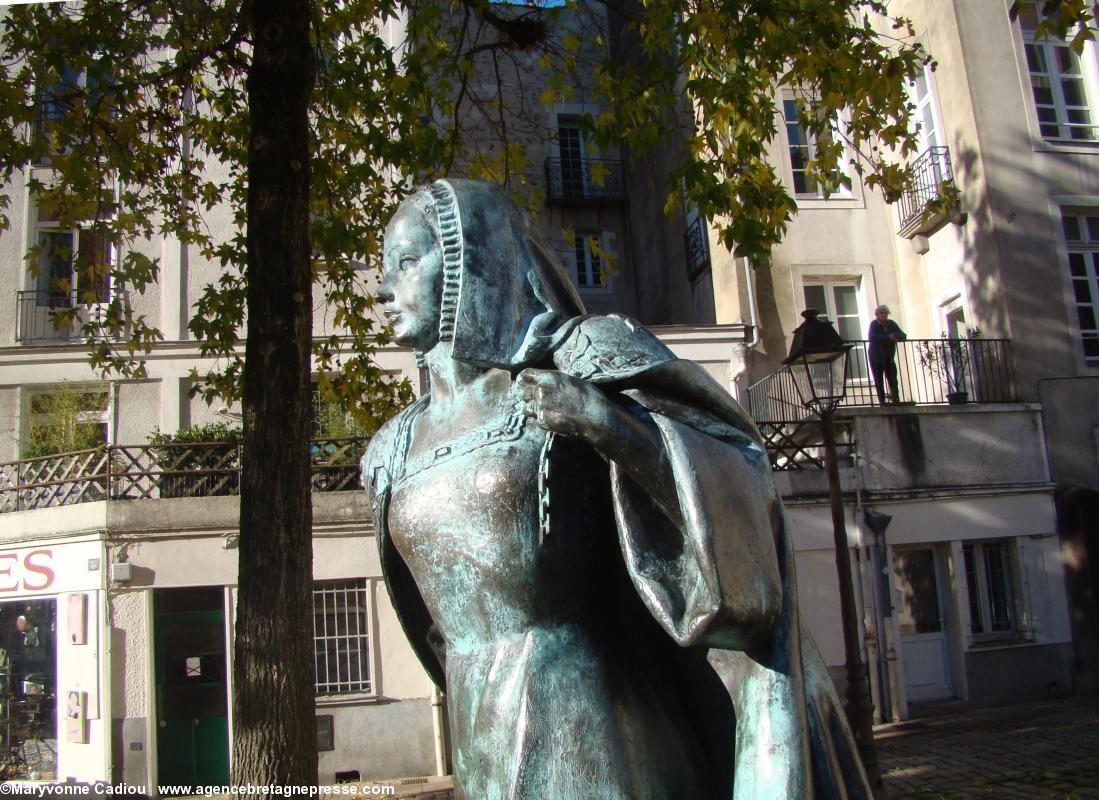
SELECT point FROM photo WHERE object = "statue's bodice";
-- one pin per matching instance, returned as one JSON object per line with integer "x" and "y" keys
{"x": 465, "y": 516}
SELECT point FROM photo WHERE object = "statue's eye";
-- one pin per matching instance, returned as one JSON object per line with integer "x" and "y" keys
{"x": 406, "y": 262}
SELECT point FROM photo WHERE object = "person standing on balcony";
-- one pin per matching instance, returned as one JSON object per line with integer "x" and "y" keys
{"x": 882, "y": 352}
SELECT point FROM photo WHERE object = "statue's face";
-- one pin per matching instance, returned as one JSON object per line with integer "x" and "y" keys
{"x": 412, "y": 287}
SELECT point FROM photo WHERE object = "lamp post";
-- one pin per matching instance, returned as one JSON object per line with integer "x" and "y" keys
{"x": 818, "y": 365}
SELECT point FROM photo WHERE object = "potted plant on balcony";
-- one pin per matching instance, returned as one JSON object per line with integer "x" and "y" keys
{"x": 210, "y": 466}
{"x": 947, "y": 360}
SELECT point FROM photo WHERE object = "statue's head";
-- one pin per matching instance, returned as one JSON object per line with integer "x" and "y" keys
{"x": 412, "y": 285}
{"x": 464, "y": 265}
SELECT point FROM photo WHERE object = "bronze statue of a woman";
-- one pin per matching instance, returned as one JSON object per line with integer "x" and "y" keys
{"x": 582, "y": 539}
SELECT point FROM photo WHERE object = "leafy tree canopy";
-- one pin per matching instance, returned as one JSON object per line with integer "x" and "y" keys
{"x": 1074, "y": 20}
{"x": 134, "y": 103}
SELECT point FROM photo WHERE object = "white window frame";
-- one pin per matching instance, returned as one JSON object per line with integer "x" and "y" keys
{"x": 858, "y": 371}
{"x": 785, "y": 100}
{"x": 976, "y": 571}
{"x": 42, "y": 229}
{"x": 1082, "y": 271}
{"x": 335, "y": 683}
{"x": 930, "y": 102}
{"x": 1089, "y": 75}
{"x": 591, "y": 262}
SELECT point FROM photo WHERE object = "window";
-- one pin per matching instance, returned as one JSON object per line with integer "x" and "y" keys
{"x": 590, "y": 272}
{"x": 341, "y": 637}
{"x": 1058, "y": 84}
{"x": 66, "y": 419}
{"x": 841, "y": 302}
{"x": 988, "y": 573}
{"x": 73, "y": 267}
{"x": 329, "y": 419}
{"x": 802, "y": 149}
{"x": 29, "y": 688}
{"x": 1081, "y": 230}
{"x": 922, "y": 93}
{"x": 696, "y": 243}
{"x": 62, "y": 96}
{"x": 570, "y": 144}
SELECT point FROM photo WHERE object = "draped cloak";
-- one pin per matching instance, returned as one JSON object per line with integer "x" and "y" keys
{"x": 718, "y": 582}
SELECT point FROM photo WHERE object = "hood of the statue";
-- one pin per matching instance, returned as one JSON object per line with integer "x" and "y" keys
{"x": 506, "y": 294}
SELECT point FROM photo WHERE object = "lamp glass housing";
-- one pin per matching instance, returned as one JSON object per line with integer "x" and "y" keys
{"x": 821, "y": 378}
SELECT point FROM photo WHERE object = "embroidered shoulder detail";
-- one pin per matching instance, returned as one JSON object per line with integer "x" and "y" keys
{"x": 380, "y": 462}
{"x": 607, "y": 348}
{"x": 482, "y": 436}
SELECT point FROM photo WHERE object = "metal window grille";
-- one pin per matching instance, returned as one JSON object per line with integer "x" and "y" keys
{"x": 341, "y": 639}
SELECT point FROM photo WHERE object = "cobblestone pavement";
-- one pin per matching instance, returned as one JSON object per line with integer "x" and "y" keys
{"x": 1032, "y": 751}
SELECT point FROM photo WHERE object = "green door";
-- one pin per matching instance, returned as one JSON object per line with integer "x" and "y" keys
{"x": 191, "y": 693}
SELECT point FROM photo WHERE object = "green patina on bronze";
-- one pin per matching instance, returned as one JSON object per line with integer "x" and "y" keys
{"x": 582, "y": 539}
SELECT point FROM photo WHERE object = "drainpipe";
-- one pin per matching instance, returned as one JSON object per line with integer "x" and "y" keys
{"x": 744, "y": 347}
{"x": 878, "y": 522}
{"x": 114, "y": 414}
{"x": 750, "y": 285}
{"x": 437, "y": 726}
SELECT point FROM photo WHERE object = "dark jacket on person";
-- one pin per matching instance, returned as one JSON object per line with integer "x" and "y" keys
{"x": 882, "y": 349}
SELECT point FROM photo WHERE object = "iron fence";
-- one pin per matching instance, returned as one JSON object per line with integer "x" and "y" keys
{"x": 798, "y": 445}
{"x": 929, "y": 372}
{"x": 597, "y": 180}
{"x": 157, "y": 471}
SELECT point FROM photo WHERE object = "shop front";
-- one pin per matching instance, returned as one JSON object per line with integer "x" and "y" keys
{"x": 51, "y": 649}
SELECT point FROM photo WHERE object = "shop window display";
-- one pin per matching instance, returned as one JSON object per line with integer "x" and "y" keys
{"x": 28, "y": 689}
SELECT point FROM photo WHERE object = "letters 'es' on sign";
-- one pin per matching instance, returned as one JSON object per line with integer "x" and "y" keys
{"x": 26, "y": 571}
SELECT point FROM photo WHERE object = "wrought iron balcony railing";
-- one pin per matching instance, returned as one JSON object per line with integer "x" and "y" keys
{"x": 933, "y": 183}
{"x": 36, "y": 314}
{"x": 156, "y": 471}
{"x": 929, "y": 372}
{"x": 585, "y": 180}
{"x": 696, "y": 248}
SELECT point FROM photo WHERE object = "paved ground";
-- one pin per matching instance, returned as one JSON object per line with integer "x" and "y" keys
{"x": 1032, "y": 751}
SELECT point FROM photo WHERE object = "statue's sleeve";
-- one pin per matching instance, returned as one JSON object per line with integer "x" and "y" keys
{"x": 712, "y": 579}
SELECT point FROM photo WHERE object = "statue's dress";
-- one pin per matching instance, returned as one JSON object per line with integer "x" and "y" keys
{"x": 592, "y": 644}
{"x": 540, "y": 704}
{"x": 591, "y": 648}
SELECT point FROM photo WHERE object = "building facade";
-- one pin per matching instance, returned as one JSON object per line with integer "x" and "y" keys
{"x": 117, "y": 565}
{"x": 995, "y": 288}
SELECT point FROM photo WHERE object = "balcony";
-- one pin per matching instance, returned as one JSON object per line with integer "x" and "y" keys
{"x": 932, "y": 199}
{"x": 154, "y": 472}
{"x": 929, "y": 372}
{"x": 37, "y": 310}
{"x": 585, "y": 180}
{"x": 958, "y": 423}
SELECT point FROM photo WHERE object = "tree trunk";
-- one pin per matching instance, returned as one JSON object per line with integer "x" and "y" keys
{"x": 274, "y": 733}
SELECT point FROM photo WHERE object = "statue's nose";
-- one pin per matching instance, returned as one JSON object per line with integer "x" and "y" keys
{"x": 385, "y": 292}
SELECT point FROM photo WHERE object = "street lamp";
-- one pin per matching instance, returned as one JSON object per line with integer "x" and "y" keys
{"x": 818, "y": 366}
{"x": 818, "y": 363}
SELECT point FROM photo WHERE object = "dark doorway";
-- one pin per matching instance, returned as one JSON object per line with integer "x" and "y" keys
{"x": 191, "y": 691}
